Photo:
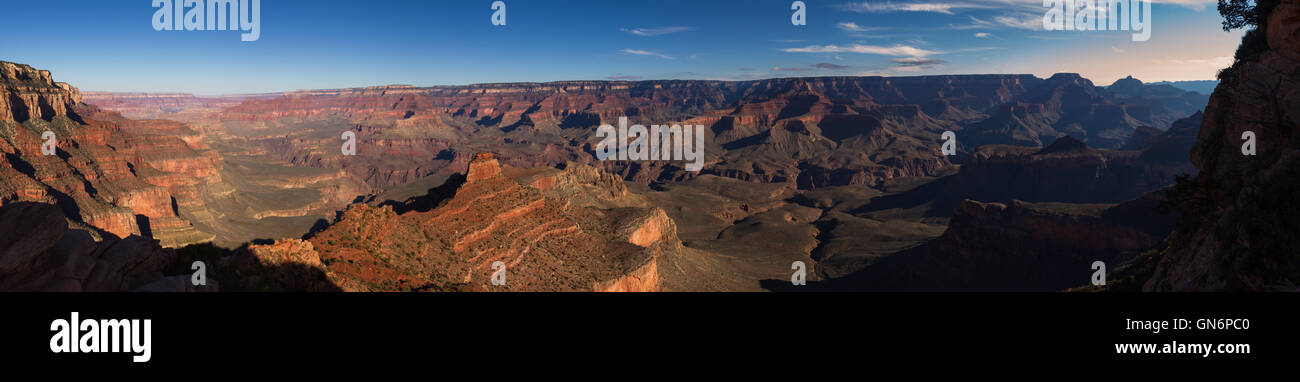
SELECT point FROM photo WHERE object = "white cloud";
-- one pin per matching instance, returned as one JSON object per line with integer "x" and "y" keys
{"x": 639, "y": 52}
{"x": 916, "y": 62}
{"x": 1194, "y": 4}
{"x": 780, "y": 69}
{"x": 1218, "y": 62}
{"x": 655, "y": 31}
{"x": 951, "y": 7}
{"x": 854, "y": 27}
{"x": 1019, "y": 20}
{"x": 830, "y": 66}
{"x": 889, "y": 6}
{"x": 982, "y": 35}
{"x": 896, "y": 50}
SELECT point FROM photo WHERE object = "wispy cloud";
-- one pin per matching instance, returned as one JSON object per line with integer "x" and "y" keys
{"x": 639, "y": 52}
{"x": 917, "y": 62}
{"x": 621, "y": 77}
{"x": 1018, "y": 20}
{"x": 817, "y": 66}
{"x": 830, "y": 66}
{"x": 872, "y": 73}
{"x": 896, "y": 50}
{"x": 1222, "y": 61}
{"x": 655, "y": 31}
{"x": 889, "y": 6}
{"x": 780, "y": 69}
{"x": 952, "y": 7}
{"x": 982, "y": 35}
{"x": 1021, "y": 21}
{"x": 1194, "y": 4}
{"x": 854, "y": 27}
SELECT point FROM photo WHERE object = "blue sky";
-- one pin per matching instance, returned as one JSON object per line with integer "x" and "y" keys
{"x": 112, "y": 46}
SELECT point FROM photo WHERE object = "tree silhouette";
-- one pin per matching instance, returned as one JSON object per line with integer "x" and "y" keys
{"x": 1251, "y": 15}
{"x": 1239, "y": 14}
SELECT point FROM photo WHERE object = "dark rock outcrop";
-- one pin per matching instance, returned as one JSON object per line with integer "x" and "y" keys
{"x": 1242, "y": 214}
{"x": 1070, "y": 171}
{"x": 39, "y": 253}
{"x": 1017, "y": 247}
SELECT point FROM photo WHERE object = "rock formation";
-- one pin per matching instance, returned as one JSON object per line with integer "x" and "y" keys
{"x": 38, "y": 252}
{"x": 27, "y": 93}
{"x": 1239, "y": 231}
{"x": 809, "y": 132}
{"x": 545, "y": 243}
{"x": 1070, "y": 171}
{"x": 270, "y": 168}
{"x": 119, "y": 176}
{"x": 1017, "y": 247}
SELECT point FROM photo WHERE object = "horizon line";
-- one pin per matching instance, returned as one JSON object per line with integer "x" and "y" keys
{"x": 410, "y": 86}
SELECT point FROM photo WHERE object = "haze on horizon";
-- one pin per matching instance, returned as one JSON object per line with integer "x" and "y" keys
{"x": 341, "y": 44}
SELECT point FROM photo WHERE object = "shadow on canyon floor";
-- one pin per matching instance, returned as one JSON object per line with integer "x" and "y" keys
{"x": 240, "y": 271}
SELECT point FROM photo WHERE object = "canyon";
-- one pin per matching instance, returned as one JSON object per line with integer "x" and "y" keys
{"x": 844, "y": 173}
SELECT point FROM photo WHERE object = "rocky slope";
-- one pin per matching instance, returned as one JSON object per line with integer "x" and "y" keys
{"x": 450, "y": 243}
{"x": 38, "y": 252}
{"x": 27, "y": 93}
{"x": 1070, "y": 171}
{"x": 1241, "y": 211}
{"x": 120, "y": 177}
{"x": 1017, "y": 247}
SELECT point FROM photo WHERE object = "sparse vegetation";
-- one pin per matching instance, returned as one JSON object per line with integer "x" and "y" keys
{"x": 1251, "y": 15}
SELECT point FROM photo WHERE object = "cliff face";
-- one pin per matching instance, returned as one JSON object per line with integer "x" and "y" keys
{"x": 1070, "y": 171}
{"x": 1242, "y": 214}
{"x": 182, "y": 107}
{"x": 1067, "y": 104}
{"x": 27, "y": 93}
{"x": 807, "y": 132}
{"x": 547, "y": 244}
{"x": 38, "y": 252}
{"x": 115, "y": 176}
{"x": 1017, "y": 247}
